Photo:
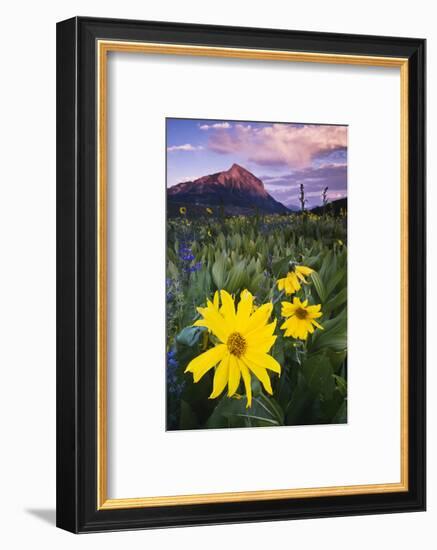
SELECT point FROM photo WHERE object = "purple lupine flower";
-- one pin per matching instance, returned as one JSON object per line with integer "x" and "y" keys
{"x": 174, "y": 387}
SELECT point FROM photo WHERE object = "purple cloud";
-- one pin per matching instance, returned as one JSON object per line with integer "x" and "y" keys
{"x": 289, "y": 145}
{"x": 286, "y": 188}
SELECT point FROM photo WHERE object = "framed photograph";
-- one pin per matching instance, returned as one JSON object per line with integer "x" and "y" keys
{"x": 241, "y": 274}
{"x": 256, "y": 251}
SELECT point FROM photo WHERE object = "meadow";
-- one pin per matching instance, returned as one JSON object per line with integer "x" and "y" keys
{"x": 256, "y": 320}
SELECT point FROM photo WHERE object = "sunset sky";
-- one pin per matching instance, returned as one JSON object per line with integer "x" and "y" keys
{"x": 282, "y": 155}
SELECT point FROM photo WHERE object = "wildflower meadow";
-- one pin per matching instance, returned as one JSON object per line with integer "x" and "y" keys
{"x": 256, "y": 319}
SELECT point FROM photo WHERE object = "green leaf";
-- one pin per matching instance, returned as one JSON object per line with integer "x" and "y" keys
{"x": 271, "y": 406}
{"x": 318, "y": 375}
{"x": 220, "y": 415}
{"x": 319, "y": 286}
{"x": 188, "y": 420}
{"x": 339, "y": 299}
{"x": 232, "y": 412}
{"x": 172, "y": 270}
{"x": 336, "y": 358}
{"x": 335, "y": 280}
{"x": 341, "y": 385}
{"x": 325, "y": 265}
{"x": 341, "y": 416}
{"x": 281, "y": 267}
{"x": 333, "y": 336}
{"x": 189, "y": 336}
{"x": 236, "y": 278}
{"x": 299, "y": 405}
{"x": 255, "y": 282}
{"x": 331, "y": 267}
{"x": 219, "y": 271}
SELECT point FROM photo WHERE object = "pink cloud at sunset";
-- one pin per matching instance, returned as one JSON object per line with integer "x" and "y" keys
{"x": 289, "y": 145}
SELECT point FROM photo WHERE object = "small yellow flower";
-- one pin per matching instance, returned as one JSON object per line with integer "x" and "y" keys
{"x": 291, "y": 283}
{"x": 300, "y": 318}
{"x": 245, "y": 339}
{"x": 209, "y": 210}
{"x": 183, "y": 210}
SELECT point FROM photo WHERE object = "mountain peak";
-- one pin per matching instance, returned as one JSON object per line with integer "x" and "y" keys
{"x": 238, "y": 171}
{"x": 236, "y": 187}
{"x": 237, "y": 168}
{"x": 237, "y": 177}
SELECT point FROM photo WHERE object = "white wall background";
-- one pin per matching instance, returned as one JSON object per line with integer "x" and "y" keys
{"x": 27, "y": 273}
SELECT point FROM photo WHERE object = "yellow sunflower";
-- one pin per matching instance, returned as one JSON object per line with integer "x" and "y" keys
{"x": 209, "y": 210}
{"x": 291, "y": 283}
{"x": 183, "y": 210}
{"x": 300, "y": 318}
{"x": 244, "y": 340}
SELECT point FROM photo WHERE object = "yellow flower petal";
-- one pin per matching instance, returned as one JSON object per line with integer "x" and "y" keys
{"x": 220, "y": 377}
{"x": 287, "y": 309}
{"x": 228, "y": 308}
{"x": 264, "y": 360}
{"x": 289, "y": 325}
{"x": 201, "y": 364}
{"x": 265, "y": 344}
{"x": 216, "y": 299}
{"x": 314, "y": 315}
{"x": 260, "y": 333}
{"x": 247, "y": 382}
{"x": 301, "y": 277}
{"x": 234, "y": 375}
{"x": 259, "y": 317}
{"x": 214, "y": 321}
{"x": 281, "y": 284}
{"x": 290, "y": 283}
{"x": 244, "y": 311}
{"x": 304, "y": 270}
{"x": 261, "y": 374}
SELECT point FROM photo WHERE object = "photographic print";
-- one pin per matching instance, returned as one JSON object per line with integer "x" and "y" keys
{"x": 256, "y": 274}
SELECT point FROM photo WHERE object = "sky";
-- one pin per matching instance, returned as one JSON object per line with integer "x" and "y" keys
{"x": 282, "y": 155}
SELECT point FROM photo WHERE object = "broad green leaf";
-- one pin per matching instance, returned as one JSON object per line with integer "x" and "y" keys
{"x": 334, "y": 335}
{"x": 319, "y": 286}
{"x": 318, "y": 375}
{"x": 341, "y": 384}
{"x": 219, "y": 271}
{"x": 339, "y": 299}
{"x": 236, "y": 278}
{"x": 255, "y": 282}
{"x": 271, "y": 406}
{"x": 335, "y": 280}
{"x": 232, "y": 412}
{"x": 189, "y": 336}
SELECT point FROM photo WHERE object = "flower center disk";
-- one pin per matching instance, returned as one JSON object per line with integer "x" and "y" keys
{"x": 301, "y": 313}
{"x": 236, "y": 343}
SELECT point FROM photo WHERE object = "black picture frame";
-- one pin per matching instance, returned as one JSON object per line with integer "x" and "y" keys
{"x": 77, "y": 478}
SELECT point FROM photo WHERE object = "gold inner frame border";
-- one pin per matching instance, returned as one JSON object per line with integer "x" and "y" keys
{"x": 103, "y": 48}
